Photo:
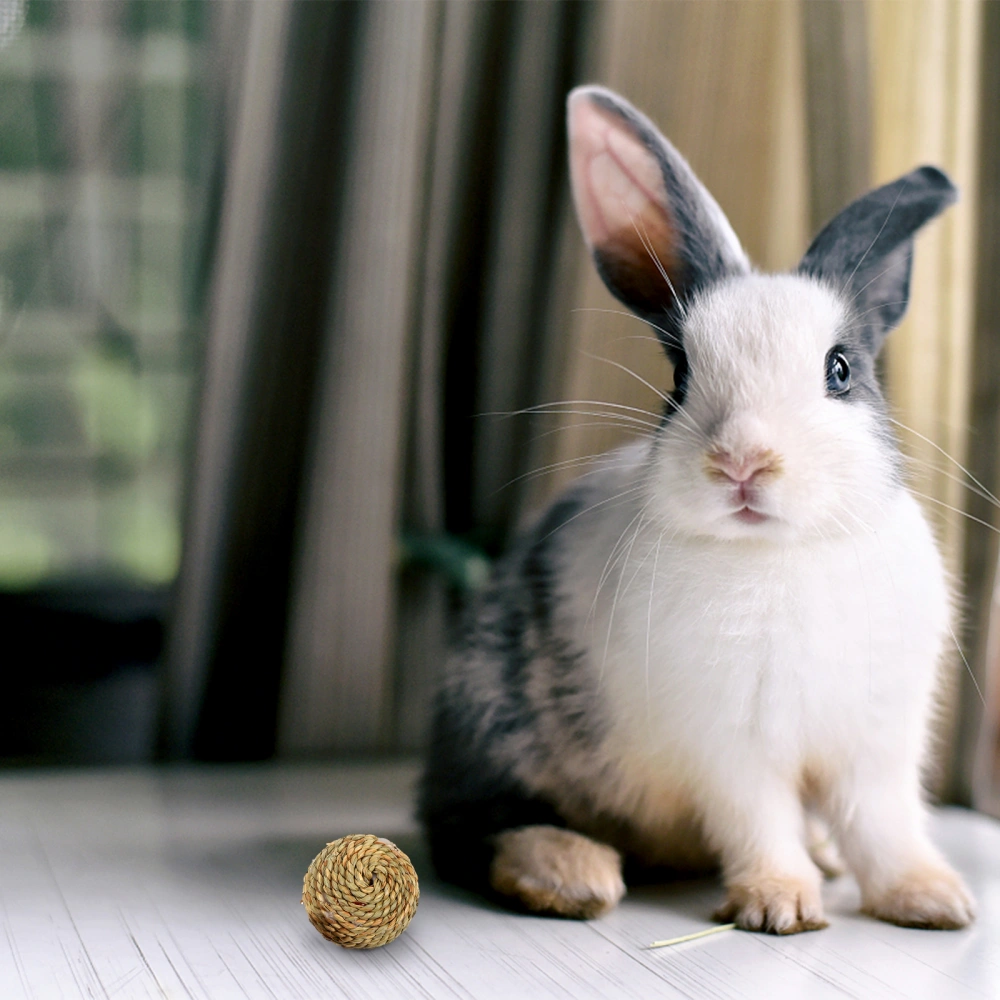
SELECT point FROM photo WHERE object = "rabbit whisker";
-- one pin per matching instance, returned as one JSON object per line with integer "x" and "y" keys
{"x": 849, "y": 488}
{"x": 648, "y": 247}
{"x": 622, "y": 312}
{"x": 566, "y": 463}
{"x": 857, "y": 517}
{"x": 941, "y": 451}
{"x": 861, "y": 315}
{"x": 892, "y": 208}
{"x": 587, "y": 510}
{"x": 628, "y": 371}
{"x": 873, "y": 280}
{"x": 639, "y": 435}
{"x": 622, "y": 418}
{"x": 686, "y": 421}
{"x": 621, "y": 574}
{"x": 611, "y": 562}
{"x": 940, "y": 470}
{"x": 668, "y": 400}
{"x": 972, "y": 676}
{"x": 550, "y": 408}
{"x": 956, "y": 510}
{"x": 649, "y": 628}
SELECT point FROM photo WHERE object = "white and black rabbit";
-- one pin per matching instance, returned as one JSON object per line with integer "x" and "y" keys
{"x": 733, "y": 625}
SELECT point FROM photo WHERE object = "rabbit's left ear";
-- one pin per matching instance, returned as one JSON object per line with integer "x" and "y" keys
{"x": 655, "y": 233}
{"x": 866, "y": 252}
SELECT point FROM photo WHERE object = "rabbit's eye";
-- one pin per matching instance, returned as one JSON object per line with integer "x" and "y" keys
{"x": 838, "y": 373}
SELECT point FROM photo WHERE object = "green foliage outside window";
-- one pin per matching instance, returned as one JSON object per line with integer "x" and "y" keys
{"x": 103, "y": 212}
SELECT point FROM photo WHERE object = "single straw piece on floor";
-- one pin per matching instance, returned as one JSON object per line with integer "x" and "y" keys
{"x": 360, "y": 891}
{"x": 692, "y": 937}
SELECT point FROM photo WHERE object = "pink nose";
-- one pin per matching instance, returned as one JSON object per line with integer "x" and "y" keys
{"x": 742, "y": 469}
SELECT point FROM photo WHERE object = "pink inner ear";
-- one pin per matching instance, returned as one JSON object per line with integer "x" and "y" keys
{"x": 619, "y": 191}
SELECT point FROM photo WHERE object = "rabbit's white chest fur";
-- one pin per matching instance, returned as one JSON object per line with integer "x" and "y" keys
{"x": 721, "y": 660}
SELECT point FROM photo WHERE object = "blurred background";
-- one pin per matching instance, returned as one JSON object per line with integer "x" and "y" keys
{"x": 274, "y": 277}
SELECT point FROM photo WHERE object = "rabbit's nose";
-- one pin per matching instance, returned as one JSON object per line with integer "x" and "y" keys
{"x": 742, "y": 469}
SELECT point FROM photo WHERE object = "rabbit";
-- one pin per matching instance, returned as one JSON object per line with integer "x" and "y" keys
{"x": 728, "y": 630}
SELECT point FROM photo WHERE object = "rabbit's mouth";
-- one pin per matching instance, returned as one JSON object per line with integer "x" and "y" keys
{"x": 747, "y": 515}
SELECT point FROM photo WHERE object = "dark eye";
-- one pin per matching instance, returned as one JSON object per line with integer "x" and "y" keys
{"x": 838, "y": 373}
{"x": 680, "y": 375}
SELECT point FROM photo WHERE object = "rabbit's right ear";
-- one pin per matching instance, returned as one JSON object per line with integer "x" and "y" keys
{"x": 656, "y": 234}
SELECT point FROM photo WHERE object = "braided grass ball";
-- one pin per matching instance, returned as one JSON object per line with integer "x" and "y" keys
{"x": 360, "y": 891}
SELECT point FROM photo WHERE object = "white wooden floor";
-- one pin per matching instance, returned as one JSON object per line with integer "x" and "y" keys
{"x": 185, "y": 883}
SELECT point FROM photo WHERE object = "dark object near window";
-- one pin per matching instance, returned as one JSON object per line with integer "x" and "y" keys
{"x": 81, "y": 675}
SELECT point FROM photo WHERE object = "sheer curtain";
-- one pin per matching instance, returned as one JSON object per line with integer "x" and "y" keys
{"x": 108, "y": 147}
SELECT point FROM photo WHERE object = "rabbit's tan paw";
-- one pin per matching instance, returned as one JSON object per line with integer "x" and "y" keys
{"x": 550, "y": 870}
{"x": 777, "y": 904}
{"x": 931, "y": 896}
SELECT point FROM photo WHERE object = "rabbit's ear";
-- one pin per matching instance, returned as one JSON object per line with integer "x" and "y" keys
{"x": 866, "y": 252}
{"x": 656, "y": 234}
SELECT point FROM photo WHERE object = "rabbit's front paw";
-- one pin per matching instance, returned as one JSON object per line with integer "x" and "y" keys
{"x": 777, "y": 904}
{"x": 931, "y": 896}
{"x": 551, "y": 870}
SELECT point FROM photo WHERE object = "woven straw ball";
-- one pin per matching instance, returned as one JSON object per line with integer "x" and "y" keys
{"x": 360, "y": 891}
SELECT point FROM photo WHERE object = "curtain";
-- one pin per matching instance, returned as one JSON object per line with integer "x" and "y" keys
{"x": 437, "y": 314}
{"x": 979, "y": 745}
{"x": 447, "y": 283}
{"x": 282, "y": 195}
